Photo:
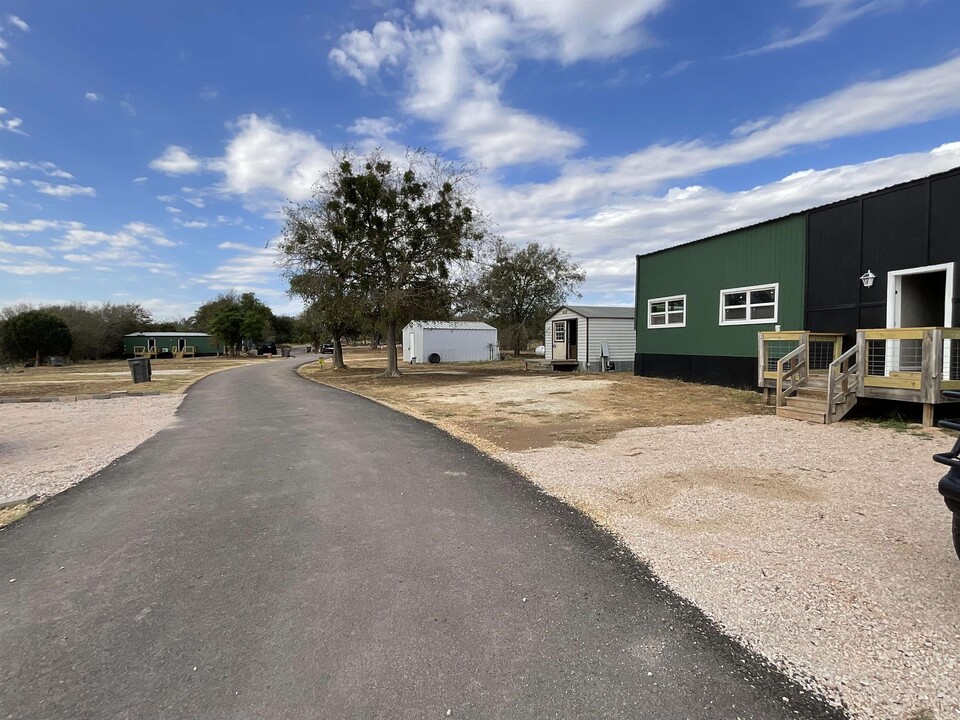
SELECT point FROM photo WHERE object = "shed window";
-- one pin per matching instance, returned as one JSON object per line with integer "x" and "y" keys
{"x": 742, "y": 306}
{"x": 667, "y": 312}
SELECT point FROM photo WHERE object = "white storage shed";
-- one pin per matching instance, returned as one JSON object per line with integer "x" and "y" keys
{"x": 454, "y": 341}
{"x": 594, "y": 338}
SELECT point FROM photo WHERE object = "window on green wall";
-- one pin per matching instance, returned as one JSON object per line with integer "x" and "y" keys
{"x": 749, "y": 305}
{"x": 667, "y": 312}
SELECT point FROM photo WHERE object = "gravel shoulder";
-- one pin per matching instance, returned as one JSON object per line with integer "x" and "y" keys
{"x": 825, "y": 548}
{"x": 49, "y": 447}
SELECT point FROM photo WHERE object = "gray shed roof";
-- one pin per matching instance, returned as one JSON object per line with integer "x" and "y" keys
{"x": 450, "y": 325}
{"x": 598, "y": 311}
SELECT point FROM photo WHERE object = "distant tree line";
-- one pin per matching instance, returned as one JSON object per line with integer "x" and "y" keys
{"x": 383, "y": 241}
{"x": 94, "y": 331}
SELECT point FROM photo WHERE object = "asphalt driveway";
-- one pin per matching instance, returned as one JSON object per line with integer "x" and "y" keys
{"x": 292, "y": 551}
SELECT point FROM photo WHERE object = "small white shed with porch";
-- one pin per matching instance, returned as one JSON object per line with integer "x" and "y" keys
{"x": 435, "y": 341}
{"x": 594, "y": 338}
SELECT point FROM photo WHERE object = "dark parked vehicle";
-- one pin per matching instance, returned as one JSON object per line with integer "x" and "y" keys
{"x": 326, "y": 349}
{"x": 267, "y": 348}
{"x": 950, "y": 483}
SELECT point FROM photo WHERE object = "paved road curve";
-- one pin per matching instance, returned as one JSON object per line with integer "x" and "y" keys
{"x": 291, "y": 551}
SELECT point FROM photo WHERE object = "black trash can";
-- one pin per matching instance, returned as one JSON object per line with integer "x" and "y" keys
{"x": 140, "y": 369}
{"x": 285, "y": 351}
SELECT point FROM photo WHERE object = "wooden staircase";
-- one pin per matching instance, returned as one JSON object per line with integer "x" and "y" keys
{"x": 817, "y": 397}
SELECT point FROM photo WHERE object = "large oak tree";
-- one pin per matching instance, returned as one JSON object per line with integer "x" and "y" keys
{"x": 389, "y": 232}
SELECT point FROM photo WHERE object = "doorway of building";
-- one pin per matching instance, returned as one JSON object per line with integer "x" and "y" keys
{"x": 919, "y": 297}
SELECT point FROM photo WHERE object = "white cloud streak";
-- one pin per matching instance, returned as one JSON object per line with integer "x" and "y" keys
{"x": 63, "y": 191}
{"x": 833, "y": 14}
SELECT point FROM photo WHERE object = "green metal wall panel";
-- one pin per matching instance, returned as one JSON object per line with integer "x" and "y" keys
{"x": 774, "y": 252}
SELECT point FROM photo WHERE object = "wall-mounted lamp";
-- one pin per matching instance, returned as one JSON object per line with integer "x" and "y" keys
{"x": 867, "y": 279}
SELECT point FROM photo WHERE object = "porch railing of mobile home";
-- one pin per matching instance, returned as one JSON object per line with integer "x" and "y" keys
{"x": 823, "y": 348}
{"x": 925, "y": 360}
{"x": 792, "y": 370}
{"x": 843, "y": 377}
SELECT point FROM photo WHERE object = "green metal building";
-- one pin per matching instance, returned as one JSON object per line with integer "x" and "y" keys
{"x": 700, "y": 305}
{"x": 169, "y": 344}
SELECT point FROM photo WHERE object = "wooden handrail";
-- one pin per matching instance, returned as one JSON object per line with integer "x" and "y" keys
{"x": 781, "y": 376}
{"x": 836, "y": 373}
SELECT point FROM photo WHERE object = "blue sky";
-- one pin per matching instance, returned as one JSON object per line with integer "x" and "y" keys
{"x": 147, "y": 147}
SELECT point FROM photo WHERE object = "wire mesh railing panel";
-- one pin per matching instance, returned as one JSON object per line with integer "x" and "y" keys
{"x": 776, "y": 349}
{"x": 877, "y": 357}
{"x": 894, "y": 356}
{"x": 951, "y": 359}
{"x": 821, "y": 354}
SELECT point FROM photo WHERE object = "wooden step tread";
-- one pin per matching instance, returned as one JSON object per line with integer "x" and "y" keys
{"x": 798, "y": 414}
{"x": 806, "y": 403}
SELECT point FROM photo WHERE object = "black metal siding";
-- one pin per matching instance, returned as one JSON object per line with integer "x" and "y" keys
{"x": 912, "y": 225}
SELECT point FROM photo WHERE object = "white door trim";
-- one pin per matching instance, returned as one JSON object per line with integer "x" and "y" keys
{"x": 893, "y": 284}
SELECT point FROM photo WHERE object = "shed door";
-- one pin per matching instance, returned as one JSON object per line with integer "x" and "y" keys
{"x": 560, "y": 340}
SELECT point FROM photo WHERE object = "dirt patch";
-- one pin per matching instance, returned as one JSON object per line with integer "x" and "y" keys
{"x": 507, "y": 408}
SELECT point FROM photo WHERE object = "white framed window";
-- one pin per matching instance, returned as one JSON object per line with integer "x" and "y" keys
{"x": 667, "y": 312}
{"x": 750, "y": 305}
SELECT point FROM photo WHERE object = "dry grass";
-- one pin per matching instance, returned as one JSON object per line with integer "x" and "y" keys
{"x": 500, "y": 406}
{"x": 169, "y": 376}
{"x": 15, "y": 512}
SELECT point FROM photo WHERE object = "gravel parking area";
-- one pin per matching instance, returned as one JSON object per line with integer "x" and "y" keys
{"x": 47, "y": 447}
{"x": 825, "y": 548}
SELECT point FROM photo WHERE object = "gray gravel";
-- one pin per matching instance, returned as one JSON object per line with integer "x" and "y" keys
{"x": 825, "y": 548}
{"x": 47, "y": 447}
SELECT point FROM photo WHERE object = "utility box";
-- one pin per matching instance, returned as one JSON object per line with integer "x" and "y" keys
{"x": 140, "y": 369}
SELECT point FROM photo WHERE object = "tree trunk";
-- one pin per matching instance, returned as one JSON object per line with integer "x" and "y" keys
{"x": 392, "y": 370}
{"x": 36, "y": 360}
{"x": 338, "y": 363}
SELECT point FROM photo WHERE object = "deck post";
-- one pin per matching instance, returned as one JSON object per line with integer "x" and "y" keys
{"x": 766, "y": 396}
{"x": 928, "y": 414}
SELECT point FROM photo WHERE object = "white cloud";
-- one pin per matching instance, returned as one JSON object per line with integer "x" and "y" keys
{"x": 128, "y": 107}
{"x": 265, "y": 162}
{"x": 456, "y": 56}
{"x": 606, "y": 235}
{"x": 62, "y": 191}
{"x": 209, "y": 93}
{"x": 173, "y": 210}
{"x": 252, "y": 269}
{"x": 35, "y": 226}
{"x": 140, "y": 180}
{"x": 176, "y": 160}
{"x": 93, "y": 97}
{"x": 360, "y": 53}
{"x": 495, "y": 135}
{"x": 32, "y": 268}
{"x": 34, "y": 250}
{"x": 833, "y": 14}
{"x": 47, "y": 168}
{"x": 18, "y": 23}
{"x": 3, "y": 206}
{"x": 10, "y": 122}
{"x": 195, "y": 201}
{"x": 906, "y": 99}
{"x": 379, "y": 128}
{"x": 193, "y": 224}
